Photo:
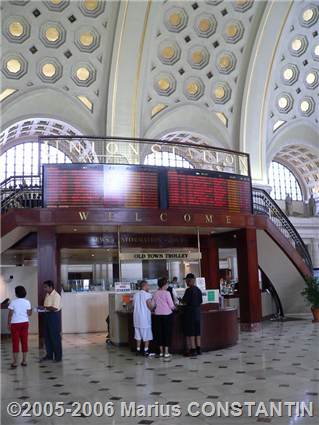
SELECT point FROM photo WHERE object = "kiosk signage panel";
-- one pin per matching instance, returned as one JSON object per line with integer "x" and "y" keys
{"x": 213, "y": 295}
{"x": 201, "y": 284}
{"x": 122, "y": 287}
{"x": 174, "y": 256}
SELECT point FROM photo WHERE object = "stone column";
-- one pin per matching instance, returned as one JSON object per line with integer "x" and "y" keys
{"x": 250, "y": 294}
{"x": 315, "y": 252}
{"x": 48, "y": 267}
{"x": 210, "y": 262}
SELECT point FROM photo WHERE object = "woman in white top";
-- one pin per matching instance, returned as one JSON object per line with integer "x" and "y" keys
{"x": 18, "y": 323}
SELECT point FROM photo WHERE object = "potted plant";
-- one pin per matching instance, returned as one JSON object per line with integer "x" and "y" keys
{"x": 311, "y": 293}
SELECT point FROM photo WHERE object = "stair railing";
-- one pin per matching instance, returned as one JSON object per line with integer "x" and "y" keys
{"x": 263, "y": 204}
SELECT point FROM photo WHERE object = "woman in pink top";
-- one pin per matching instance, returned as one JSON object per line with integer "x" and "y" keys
{"x": 163, "y": 317}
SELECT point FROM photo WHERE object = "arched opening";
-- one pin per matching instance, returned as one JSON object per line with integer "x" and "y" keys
{"x": 283, "y": 182}
{"x": 22, "y": 153}
{"x": 25, "y": 159}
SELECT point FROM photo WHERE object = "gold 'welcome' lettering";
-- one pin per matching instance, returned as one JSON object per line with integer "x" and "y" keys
{"x": 163, "y": 216}
{"x": 187, "y": 218}
{"x": 209, "y": 218}
{"x": 83, "y": 215}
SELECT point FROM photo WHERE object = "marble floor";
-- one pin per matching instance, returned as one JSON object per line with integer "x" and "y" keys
{"x": 279, "y": 363}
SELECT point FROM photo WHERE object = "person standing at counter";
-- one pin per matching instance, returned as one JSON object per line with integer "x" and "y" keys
{"x": 164, "y": 307}
{"x": 173, "y": 293}
{"x": 192, "y": 301}
{"x": 142, "y": 318}
{"x": 52, "y": 323}
{"x": 18, "y": 323}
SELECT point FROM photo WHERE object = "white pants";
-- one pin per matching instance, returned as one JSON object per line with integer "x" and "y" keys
{"x": 143, "y": 333}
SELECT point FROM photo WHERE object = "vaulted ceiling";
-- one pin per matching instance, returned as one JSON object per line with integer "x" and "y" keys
{"x": 59, "y": 45}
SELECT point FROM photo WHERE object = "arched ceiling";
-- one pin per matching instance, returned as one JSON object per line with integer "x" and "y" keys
{"x": 281, "y": 90}
{"x": 61, "y": 45}
{"x": 29, "y": 130}
{"x": 199, "y": 55}
{"x": 293, "y": 96}
{"x": 304, "y": 162}
{"x": 295, "y": 73}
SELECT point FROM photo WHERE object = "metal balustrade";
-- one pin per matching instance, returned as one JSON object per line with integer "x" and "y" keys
{"x": 21, "y": 192}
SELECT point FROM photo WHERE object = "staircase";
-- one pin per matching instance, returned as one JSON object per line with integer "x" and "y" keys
{"x": 21, "y": 192}
{"x": 282, "y": 254}
{"x": 263, "y": 204}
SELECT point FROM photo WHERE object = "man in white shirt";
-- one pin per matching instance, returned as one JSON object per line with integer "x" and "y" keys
{"x": 142, "y": 318}
{"x": 52, "y": 322}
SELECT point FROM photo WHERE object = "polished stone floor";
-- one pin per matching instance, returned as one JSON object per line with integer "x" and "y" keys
{"x": 279, "y": 363}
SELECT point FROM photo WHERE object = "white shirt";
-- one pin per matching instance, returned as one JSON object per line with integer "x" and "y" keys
{"x": 20, "y": 308}
{"x": 142, "y": 316}
{"x": 53, "y": 300}
{"x": 175, "y": 297}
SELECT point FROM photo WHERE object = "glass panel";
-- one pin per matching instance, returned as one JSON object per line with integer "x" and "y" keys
{"x": 23, "y": 160}
{"x": 283, "y": 181}
{"x": 167, "y": 159}
{"x": 3, "y": 167}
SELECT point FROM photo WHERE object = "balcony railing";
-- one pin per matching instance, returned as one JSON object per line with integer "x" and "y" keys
{"x": 21, "y": 192}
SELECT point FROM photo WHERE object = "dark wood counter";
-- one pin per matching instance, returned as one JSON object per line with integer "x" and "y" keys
{"x": 219, "y": 329}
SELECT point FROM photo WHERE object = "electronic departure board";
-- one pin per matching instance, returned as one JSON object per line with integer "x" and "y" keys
{"x": 134, "y": 186}
{"x": 107, "y": 186}
{"x": 209, "y": 190}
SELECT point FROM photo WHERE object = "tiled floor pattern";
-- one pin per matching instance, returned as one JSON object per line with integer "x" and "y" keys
{"x": 281, "y": 362}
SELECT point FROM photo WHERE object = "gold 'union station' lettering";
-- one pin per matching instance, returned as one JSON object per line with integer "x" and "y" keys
{"x": 83, "y": 215}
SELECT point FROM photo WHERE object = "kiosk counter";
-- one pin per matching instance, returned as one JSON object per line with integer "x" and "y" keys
{"x": 219, "y": 326}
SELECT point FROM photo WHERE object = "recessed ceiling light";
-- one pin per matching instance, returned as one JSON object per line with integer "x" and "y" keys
{"x": 75, "y": 230}
{"x": 92, "y": 255}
